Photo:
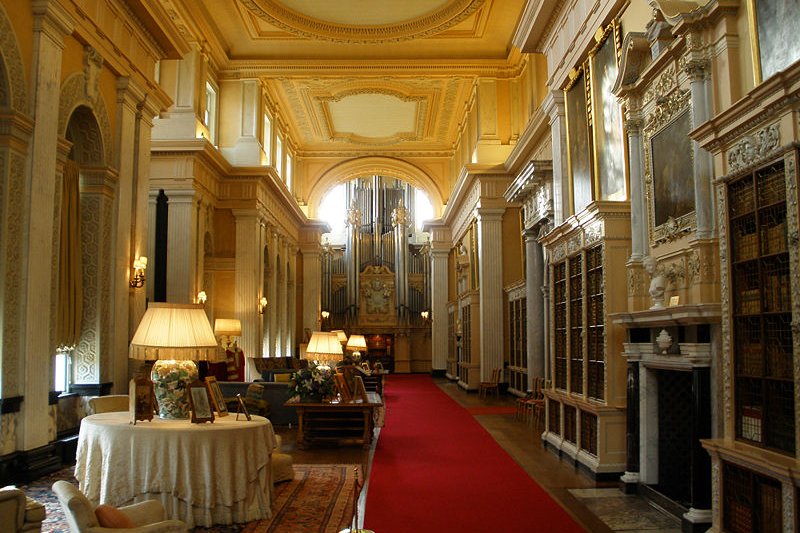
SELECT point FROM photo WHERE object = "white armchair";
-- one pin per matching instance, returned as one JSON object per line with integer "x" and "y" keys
{"x": 20, "y": 513}
{"x": 149, "y": 516}
{"x": 105, "y": 404}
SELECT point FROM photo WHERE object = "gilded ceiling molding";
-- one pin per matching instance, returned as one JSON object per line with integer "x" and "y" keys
{"x": 277, "y": 14}
{"x": 369, "y": 166}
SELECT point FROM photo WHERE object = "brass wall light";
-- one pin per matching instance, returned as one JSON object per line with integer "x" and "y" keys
{"x": 139, "y": 266}
{"x": 262, "y": 304}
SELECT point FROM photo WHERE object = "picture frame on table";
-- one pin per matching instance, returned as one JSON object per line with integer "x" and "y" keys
{"x": 141, "y": 399}
{"x": 341, "y": 386}
{"x": 216, "y": 396}
{"x": 242, "y": 408}
{"x": 360, "y": 391}
{"x": 200, "y": 403}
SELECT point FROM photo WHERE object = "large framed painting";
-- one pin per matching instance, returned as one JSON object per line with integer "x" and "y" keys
{"x": 672, "y": 170}
{"x": 578, "y": 142}
{"x": 669, "y": 168}
{"x": 609, "y": 141}
{"x": 773, "y": 29}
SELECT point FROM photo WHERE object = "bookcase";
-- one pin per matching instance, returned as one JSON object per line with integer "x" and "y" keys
{"x": 586, "y": 403}
{"x": 761, "y": 309}
{"x": 517, "y": 340}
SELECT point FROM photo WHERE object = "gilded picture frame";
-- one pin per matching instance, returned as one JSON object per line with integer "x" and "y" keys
{"x": 669, "y": 168}
{"x": 216, "y": 396}
{"x": 610, "y": 170}
{"x": 579, "y": 149}
{"x": 773, "y": 24}
{"x": 200, "y": 403}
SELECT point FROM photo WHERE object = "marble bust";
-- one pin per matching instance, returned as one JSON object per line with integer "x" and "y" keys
{"x": 657, "y": 282}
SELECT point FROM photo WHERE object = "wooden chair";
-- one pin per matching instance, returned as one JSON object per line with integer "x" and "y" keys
{"x": 493, "y": 385}
{"x": 537, "y": 408}
{"x": 526, "y": 403}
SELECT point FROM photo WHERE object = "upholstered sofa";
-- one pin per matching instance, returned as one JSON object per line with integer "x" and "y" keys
{"x": 269, "y": 367}
{"x": 275, "y": 394}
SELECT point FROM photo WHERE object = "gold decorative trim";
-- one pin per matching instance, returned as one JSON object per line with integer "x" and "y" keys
{"x": 276, "y": 13}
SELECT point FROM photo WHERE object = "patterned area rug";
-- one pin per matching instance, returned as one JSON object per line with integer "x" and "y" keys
{"x": 319, "y": 499}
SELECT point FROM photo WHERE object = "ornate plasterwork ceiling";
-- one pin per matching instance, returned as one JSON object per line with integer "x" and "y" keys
{"x": 361, "y": 21}
{"x": 359, "y": 77}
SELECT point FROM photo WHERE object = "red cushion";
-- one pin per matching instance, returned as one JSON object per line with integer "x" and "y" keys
{"x": 110, "y": 516}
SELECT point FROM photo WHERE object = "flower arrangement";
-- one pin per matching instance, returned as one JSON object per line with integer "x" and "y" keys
{"x": 312, "y": 384}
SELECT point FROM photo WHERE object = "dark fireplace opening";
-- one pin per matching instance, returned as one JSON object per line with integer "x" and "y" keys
{"x": 675, "y": 435}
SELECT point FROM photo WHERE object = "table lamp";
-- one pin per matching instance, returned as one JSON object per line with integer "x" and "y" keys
{"x": 356, "y": 343}
{"x": 175, "y": 335}
{"x": 324, "y": 348}
{"x": 228, "y": 327}
{"x": 341, "y": 335}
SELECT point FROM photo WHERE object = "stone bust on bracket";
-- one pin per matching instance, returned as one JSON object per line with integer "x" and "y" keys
{"x": 657, "y": 282}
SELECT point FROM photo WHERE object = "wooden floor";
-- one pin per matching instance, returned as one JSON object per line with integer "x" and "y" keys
{"x": 600, "y": 508}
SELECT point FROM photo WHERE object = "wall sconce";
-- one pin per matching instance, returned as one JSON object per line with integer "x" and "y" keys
{"x": 139, "y": 266}
{"x": 425, "y": 316}
{"x": 202, "y": 297}
{"x": 262, "y": 304}
{"x": 325, "y": 315}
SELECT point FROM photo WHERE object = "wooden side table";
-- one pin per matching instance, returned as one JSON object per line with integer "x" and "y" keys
{"x": 342, "y": 423}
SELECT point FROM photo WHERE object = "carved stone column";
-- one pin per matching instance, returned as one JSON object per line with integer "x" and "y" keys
{"x": 291, "y": 333}
{"x": 92, "y": 354}
{"x": 247, "y": 274}
{"x": 553, "y": 105}
{"x": 271, "y": 312}
{"x": 181, "y": 246}
{"x": 700, "y": 511}
{"x": 697, "y": 71}
{"x": 534, "y": 302}
{"x": 630, "y": 479}
{"x": 312, "y": 252}
{"x": 640, "y": 244}
{"x": 282, "y": 308}
{"x": 490, "y": 257}
{"x": 51, "y": 23}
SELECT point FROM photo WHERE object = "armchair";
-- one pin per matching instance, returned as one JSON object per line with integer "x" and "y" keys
{"x": 20, "y": 513}
{"x": 148, "y": 516}
{"x": 105, "y": 404}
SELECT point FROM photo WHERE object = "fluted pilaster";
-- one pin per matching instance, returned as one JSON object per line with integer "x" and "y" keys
{"x": 534, "y": 278}
{"x": 272, "y": 296}
{"x": 311, "y": 286}
{"x": 181, "y": 246}
{"x": 490, "y": 257}
{"x": 439, "y": 296}
{"x": 283, "y": 307}
{"x": 247, "y": 266}
{"x": 51, "y": 24}
{"x": 553, "y": 105}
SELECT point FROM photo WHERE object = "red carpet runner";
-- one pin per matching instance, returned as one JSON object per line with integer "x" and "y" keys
{"x": 437, "y": 470}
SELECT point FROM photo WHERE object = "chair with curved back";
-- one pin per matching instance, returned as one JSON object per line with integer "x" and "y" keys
{"x": 109, "y": 403}
{"x": 492, "y": 385}
{"x": 147, "y": 517}
{"x": 18, "y": 513}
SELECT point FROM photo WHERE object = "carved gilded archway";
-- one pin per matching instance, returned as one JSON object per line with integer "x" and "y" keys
{"x": 368, "y": 166}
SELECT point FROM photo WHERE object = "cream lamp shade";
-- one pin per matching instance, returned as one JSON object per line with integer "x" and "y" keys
{"x": 357, "y": 343}
{"x": 228, "y": 327}
{"x": 324, "y": 347}
{"x": 177, "y": 332}
{"x": 341, "y": 335}
{"x": 175, "y": 335}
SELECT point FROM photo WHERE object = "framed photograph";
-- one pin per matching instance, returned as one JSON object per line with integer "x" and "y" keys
{"x": 216, "y": 396}
{"x": 201, "y": 405}
{"x": 141, "y": 398}
{"x": 773, "y": 24}
{"x": 578, "y": 142}
{"x": 672, "y": 170}
{"x": 242, "y": 408}
{"x": 609, "y": 141}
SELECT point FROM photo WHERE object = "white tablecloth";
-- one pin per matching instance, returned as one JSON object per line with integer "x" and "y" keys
{"x": 204, "y": 474}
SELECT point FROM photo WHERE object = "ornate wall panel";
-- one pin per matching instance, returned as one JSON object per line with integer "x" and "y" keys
{"x": 14, "y": 70}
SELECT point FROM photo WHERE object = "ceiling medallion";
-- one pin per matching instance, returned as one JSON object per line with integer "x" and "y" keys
{"x": 275, "y": 12}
